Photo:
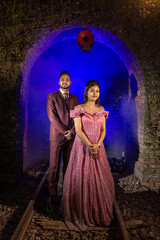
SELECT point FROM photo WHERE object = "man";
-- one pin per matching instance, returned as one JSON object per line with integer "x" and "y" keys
{"x": 62, "y": 131}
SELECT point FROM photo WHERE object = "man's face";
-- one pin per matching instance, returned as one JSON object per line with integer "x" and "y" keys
{"x": 64, "y": 81}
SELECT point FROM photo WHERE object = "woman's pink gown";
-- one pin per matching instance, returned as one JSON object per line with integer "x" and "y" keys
{"x": 88, "y": 189}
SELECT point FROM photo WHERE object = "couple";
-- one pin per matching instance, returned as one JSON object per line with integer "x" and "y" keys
{"x": 88, "y": 187}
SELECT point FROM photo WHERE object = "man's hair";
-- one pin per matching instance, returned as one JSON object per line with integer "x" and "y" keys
{"x": 62, "y": 73}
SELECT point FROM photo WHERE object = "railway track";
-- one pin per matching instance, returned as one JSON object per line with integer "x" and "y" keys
{"x": 35, "y": 225}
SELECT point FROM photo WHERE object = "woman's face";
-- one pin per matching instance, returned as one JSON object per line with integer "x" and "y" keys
{"x": 93, "y": 93}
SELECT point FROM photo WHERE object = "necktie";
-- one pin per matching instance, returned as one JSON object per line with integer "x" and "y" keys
{"x": 66, "y": 96}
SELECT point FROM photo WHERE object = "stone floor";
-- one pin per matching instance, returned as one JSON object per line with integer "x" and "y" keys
{"x": 140, "y": 207}
{"x": 15, "y": 198}
{"x": 47, "y": 224}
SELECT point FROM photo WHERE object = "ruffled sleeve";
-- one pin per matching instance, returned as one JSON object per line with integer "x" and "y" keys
{"x": 76, "y": 113}
{"x": 103, "y": 113}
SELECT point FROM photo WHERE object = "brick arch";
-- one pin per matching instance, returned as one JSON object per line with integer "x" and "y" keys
{"x": 102, "y": 36}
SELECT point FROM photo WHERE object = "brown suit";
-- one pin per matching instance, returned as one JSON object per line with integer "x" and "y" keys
{"x": 58, "y": 114}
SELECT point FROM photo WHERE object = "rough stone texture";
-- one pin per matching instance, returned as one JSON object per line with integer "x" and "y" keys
{"x": 24, "y": 23}
{"x": 140, "y": 207}
{"x": 15, "y": 199}
{"x": 131, "y": 184}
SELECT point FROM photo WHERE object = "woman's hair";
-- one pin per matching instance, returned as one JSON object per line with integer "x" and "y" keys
{"x": 90, "y": 84}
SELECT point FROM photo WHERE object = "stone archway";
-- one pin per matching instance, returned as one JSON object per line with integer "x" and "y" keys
{"x": 101, "y": 36}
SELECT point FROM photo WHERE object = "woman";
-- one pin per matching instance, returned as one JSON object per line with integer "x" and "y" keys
{"x": 88, "y": 189}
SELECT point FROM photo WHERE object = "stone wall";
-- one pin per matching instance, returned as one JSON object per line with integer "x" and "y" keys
{"x": 129, "y": 60}
{"x": 136, "y": 23}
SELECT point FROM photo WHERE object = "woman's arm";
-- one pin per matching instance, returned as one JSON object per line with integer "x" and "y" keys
{"x": 79, "y": 132}
{"x": 103, "y": 131}
{"x": 96, "y": 146}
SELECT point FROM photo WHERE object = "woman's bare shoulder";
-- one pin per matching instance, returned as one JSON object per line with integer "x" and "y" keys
{"x": 100, "y": 107}
{"x": 78, "y": 107}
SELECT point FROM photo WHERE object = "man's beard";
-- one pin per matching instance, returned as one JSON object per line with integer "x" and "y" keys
{"x": 64, "y": 87}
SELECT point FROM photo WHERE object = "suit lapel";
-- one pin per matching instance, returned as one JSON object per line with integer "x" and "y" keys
{"x": 71, "y": 101}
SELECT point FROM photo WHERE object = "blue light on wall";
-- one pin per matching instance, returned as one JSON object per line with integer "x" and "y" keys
{"x": 101, "y": 64}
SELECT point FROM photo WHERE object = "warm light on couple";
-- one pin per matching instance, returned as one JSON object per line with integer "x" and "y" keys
{"x": 78, "y": 131}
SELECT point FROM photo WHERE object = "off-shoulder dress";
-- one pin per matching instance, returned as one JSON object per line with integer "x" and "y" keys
{"x": 88, "y": 189}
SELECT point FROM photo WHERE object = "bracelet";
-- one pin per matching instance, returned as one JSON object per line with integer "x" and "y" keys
{"x": 98, "y": 145}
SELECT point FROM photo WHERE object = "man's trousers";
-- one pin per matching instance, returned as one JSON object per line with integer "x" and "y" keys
{"x": 58, "y": 149}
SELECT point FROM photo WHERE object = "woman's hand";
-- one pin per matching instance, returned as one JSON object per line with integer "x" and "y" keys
{"x": 93, "y": 148}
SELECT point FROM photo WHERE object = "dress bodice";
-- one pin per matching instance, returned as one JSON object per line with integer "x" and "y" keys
{"x": 91, "y": 123}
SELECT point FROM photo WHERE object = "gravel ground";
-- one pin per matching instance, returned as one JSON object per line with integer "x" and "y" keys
{"x": 139, "y": 206}
{"x": 15, "y": 198}
{"x": 47, "y": 224}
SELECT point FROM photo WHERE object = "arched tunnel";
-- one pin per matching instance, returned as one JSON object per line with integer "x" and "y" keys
{"x": 117, "y": 94}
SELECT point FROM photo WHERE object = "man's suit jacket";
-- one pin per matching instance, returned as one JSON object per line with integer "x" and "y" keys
{"x": 59, "y": 114}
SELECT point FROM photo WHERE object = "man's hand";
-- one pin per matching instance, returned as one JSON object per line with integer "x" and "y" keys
{"x": 68, "y": 134}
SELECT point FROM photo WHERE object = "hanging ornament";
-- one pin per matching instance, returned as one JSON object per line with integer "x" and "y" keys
{"x": 85, "y": 40}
